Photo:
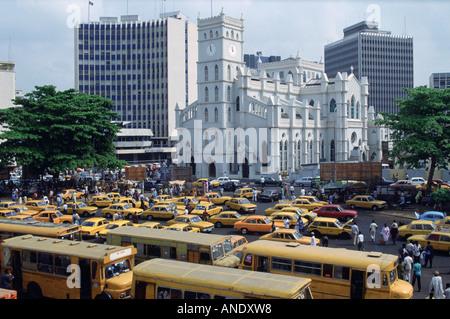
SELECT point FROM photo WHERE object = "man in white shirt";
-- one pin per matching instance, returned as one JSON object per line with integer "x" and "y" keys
{"x": 313, "y": 239}
{"x": 355, "y": 232}
{"x": 408, "y": 262}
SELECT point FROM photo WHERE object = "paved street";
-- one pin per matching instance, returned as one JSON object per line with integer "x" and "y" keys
{"x": 365, "y": 217}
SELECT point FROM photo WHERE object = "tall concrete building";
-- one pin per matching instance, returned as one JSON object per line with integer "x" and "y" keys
{"x": 385, "y": 59}
{"x": 145, "y": 68}
{"x": 7, "y": 84}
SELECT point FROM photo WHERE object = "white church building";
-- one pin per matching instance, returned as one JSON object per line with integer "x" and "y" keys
{"x": 272, "y": 120}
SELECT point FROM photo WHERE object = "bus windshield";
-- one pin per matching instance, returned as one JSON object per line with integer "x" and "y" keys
{"x": 117, "y": 268}
{"x": 221, "y": 249}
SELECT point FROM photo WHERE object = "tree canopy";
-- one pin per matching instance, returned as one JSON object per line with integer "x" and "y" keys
{"x": 58, "y": 130}
{"x": 420, "y": 131}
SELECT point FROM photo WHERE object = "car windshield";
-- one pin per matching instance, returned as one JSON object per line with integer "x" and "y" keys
{"x": 266, "y": 220}
{"x": 42, "y": 203}
{"x": 244, "y": 201}
{"x": 297, "y": 235}
{"x": 200, "y": 207}
{"x": 59, "y": 214}
{"x": 314, "y": 199}
{"x": 195, "y": 219}
{"x": 117, "y": 268}
{"x": 88, "y": 224}
{"x": 127, "y": 206}
{"x": 338, "y": 223}
{"x": 112, "y": 226}
{"x": 266, "y": 193}
{"x": 370, "y": 199}
{"x": 339, "y": 208}
{"x": 81, "y": 205}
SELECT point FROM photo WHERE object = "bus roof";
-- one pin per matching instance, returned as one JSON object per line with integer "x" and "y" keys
{"x": 245, "y": 281}
{"x": 36, "y": 227}
{"x": 335, "y": 256}
{"x": 163, "y": 234}
{"x": 69, "y": 248}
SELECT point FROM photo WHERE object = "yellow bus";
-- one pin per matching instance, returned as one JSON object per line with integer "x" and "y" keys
{"x": 10, "y": 228}
{"x": 170, "y": 279}
{"x": 185, "y": 246}
{"x": 65, "y": 269}
{"x": 335, "y": 272}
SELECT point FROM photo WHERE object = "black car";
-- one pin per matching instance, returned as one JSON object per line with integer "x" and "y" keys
{"x": 231, "y": 186}
{"x": 269, "y": 196}
{"x": 149, "y": 184}
{"x": 269, "y": 181}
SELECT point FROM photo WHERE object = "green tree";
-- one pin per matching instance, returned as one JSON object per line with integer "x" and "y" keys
{"x": 58, "y": 130}
{"x": 420, "y": 131}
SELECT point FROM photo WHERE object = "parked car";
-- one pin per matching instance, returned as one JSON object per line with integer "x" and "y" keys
{"x": 123, "y": 209}
{"x": 81, "y": 208}
{"x": 258, "y": 223}
{"x": 224, "y": 179}
{"x": 91, "y": 227}
{"x": 269, "y": 195}
{"x": 268, "y": 180}
{"x": 366, "y": 201}
{"x": 242, "y": 205}
{"x": 330, "y": 227}
{"x": 431, "y": 215}
{"x": 225, "y": 218}
{"x": 416, "y": 227}
{"x": 183, "y": 227}
{"x": 306, "y": 203}
{"x": 246, "y": 192}
{"x": 439, "y": 240}
{"x": 417, "y": 180}
{"x": 335, "y": 211}
{"x": 113, "y": 225}
{"x": 193, "y": 221}
{"x": 443, "y": 224}
{"x": 210, "y": 208}
{"x": 289, "y": 235}
{"x": 53, "y": 216}
{"x": 403, "y": 185}
{"x": 304, "y": 181}
{"x": 214, "y": 198}
{"x": 232, "y": 186}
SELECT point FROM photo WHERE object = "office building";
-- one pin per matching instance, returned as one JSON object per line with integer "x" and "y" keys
{"x": 7, "y": 84}
{"x": 440, "y": 80}
{"x": 252, "y": 60}
{"x": 145, "y": 68}
{"x": 385, "y": 59}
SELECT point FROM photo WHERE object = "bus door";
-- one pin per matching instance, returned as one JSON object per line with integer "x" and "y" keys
{"x": 262, "y": 263}
{"x": 16, "y": 271}
{"x": 357, "y": 287}
{"x": 85, "y": 280}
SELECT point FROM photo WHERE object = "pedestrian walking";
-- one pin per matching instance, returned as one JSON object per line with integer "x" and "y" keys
{"x": 417, "y": 274}
{"x": 416, "y": 251}
{"x": 373, "y": 230}
{"x": 394, "y": 232}
{"x": 436, "y": 287}
{"x": 355, "y": 231}
{"x": 300, "y": 225}
{"x": 429, "y": 253}
{"x": 408, "y": 268}
{"x": 360, "y": 241}
{"x": 286, "y": 223}
{"x": 313, "y": 239}
{"x": 385, "y": 232}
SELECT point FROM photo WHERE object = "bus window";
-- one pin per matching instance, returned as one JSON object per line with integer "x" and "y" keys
{"x": 45, "y": 263}
{"x": 341, "y": 272}
{"x": 168, "y": 293}
{"x": 327, "y": 271}
{"x": 116, "y": 269}
{"x": 61, "y": 264}
{"x": 195, "y": 295}
{"x": 307, "y": 267}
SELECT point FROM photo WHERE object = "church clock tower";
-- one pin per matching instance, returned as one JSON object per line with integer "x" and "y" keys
{"x": 219, "y": 57}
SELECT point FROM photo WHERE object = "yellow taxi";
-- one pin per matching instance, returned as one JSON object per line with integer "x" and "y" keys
{"x": 434, "y": 186}
{"x": 132, "y": 202}
{"x": 439, "y": 240}
{"x": 9, "y": 205}
{"x": 8, "y": 214}
{"x": 191, "y": 200}
{"x": 54, "y": 216}
{"x": 443, "y": 224}
{"x": 365, "y": 201}
{"x": 100, "y": 201}
{"x": 330, "y": 227}
{"x": 160, "y": 198}
{"x": 214, "y": 198}
{"x": 225, "y": 218}
{"x": 24, "y": 210}
{"x": 113, "y": 225}
{"x": 201, "y": 182}
{"x": 69, "y": 194}
{"x": 163, "y": 211}
{"x": 183, "y": 227}
{"x": 93, "y": 226}
{"x": 276, "y": 208}
{"x": 246, "y": 192}
{"x": 211, "y": 209}
{"x": 417, "y": 227}
{"x": 192, "y": 220}
{"x": 122, "y": 209}
{"x": 242, "y": 205}
{"x": 313, "y": 199}
{"x": 291, "y": 216}
{"x": 39, "y": 205}
{"x": 237, "y": 241}
{"x": 308, "y": 215}
{"x": 153, "y": 225}
{"x": 114, "y": 196}
{"x": 258, "y": 224}
{"x": 289, "y": 235}
{"x": 81, "y": 208}
{"x": 305, "y": 203}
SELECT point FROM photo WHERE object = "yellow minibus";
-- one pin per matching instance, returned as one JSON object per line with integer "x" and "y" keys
{"x": 64, "y": 269}
{"x": 335, "y": 272}
{"x": 170, "y": 279}
{"x": 185, "y": 246}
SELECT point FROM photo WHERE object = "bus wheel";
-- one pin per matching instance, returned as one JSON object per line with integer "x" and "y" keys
{"x": 34, "y": 291}
{"x": 103, "y": 296}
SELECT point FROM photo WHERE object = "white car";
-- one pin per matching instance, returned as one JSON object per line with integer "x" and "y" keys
{"x": 223, "y": 180}
{"x": 417, "y": 180}
{"x": 304, "y": 181}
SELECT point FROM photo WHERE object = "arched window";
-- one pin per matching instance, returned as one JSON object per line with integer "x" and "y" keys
{"x": 332, "y": 105}
{"x": 238, "y": 106}
{"x": 206, "y": 115}
{"x": 216, "y": 94}
{"x": 216, "y": 115}
{"x": 229, "y": 73}
{"x": 357, "y": 110}
{"x": 206, "y": 74}
{"x": 210, "y": 34}
{"x": 352, "y": 107}
{"x": 228, "y": 93}
{"x": 229, "y": 114}
{"x": 216, "y": 73}
{"x": 206, "y": 94}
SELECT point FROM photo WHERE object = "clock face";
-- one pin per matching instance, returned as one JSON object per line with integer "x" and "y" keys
{"x": 232, "y": 51}
{"x": 211, "y": 49}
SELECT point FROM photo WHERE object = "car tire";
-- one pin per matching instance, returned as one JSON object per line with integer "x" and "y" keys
{"x": 374, "y": 208}
{"x": 149, "y": 217}
{"x": 352, "y": 206}
{"x": 218, "y": 224}
{"x": 244, "y": 231}
{"x": 108, "y": 215}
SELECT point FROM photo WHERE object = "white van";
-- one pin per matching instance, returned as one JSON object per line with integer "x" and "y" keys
{"x": 417, "y": 180}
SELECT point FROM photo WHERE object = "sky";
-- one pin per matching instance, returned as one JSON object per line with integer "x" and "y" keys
{"x": 38, "y": 35}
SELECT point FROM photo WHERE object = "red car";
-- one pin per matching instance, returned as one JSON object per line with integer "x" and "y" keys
{"x": 335, "y": 211}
